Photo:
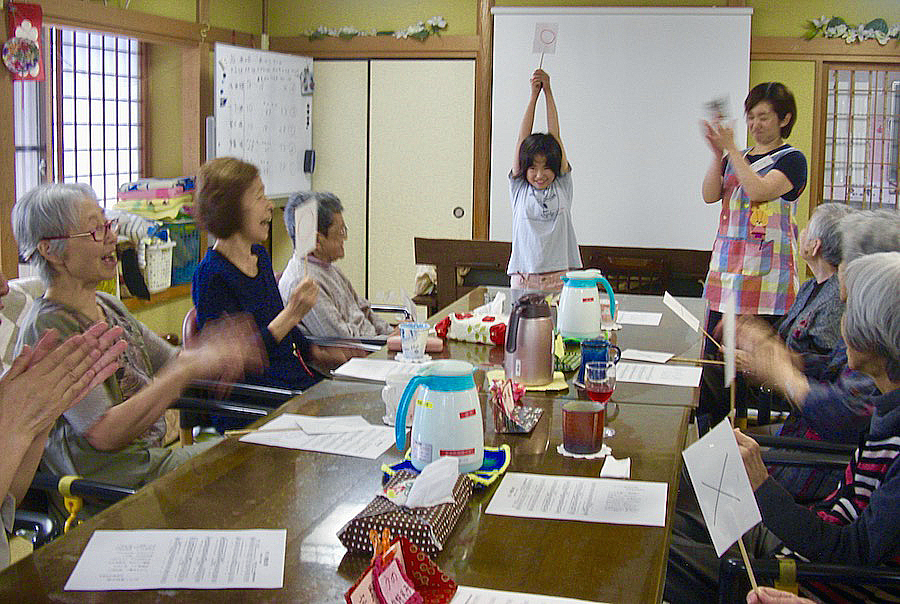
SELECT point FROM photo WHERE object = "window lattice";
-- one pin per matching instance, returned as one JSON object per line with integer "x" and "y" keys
{"x": 862, "y": 137}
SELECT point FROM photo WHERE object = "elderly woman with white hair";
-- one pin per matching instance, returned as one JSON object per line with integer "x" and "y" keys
{"x": 811, "y": 324}
{"x": 338, "y": 311}
{"x": 857, "y": 524}
{"x": 115, "y": 433}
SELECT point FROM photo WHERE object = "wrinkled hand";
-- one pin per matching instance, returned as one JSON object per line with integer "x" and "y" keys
{"x": 330, "y": 357}
{"x": 303, "y": 298}
{"x": 770, "y": 595}
{"x": 752, "y": 458}
{"x": 540, "y": 79}
{"x": 226, "y": 349}
{"x": 46, "y": 380}
{"x": 751, "y": 332}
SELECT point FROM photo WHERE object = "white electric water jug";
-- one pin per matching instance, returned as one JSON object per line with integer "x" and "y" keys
{"x": 447, "y": 420}
{"x": 580, "y": 313}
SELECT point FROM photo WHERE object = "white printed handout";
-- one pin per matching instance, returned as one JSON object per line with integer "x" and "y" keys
{"x": 683, "y": 313}
{"x": 578, "y": 498}
{"x": 665, "y": 375}
{"x": 722, "y": 487}
{"x": 333, "y": 424}
{"x": 646, "y": 355}
{"x": 372, "y": 370}
{"x": 478, "y": 595}
{"x": 634, "y": 317}
{"x": 284, "y": 431}
{"x": 180, "y": 559}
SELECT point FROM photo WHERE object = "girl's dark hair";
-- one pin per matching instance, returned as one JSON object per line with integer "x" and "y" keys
{"x": 779, "y": 97}
{"x": 540, "y": 144}
{"x": 221, "y": 185}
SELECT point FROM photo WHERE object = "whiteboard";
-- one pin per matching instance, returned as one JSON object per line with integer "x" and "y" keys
{"x": 263, "y": 110}
{"x": 630, "y": 86}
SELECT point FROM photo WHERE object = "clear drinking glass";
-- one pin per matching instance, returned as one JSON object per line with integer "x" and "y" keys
{"x": 599, "y": 383}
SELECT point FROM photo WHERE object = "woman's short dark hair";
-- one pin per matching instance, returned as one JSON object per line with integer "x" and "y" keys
{"x": 221, "y": 185}
{"x": 779, "y": 97}
{"x": 540, "y": 144}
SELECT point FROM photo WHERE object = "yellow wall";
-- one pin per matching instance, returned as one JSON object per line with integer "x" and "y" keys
{"x": 293, "y": 17}
{"x": 780, "y": 18}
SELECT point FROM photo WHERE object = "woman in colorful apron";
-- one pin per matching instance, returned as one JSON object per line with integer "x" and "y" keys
{"x": 753, "y": 255}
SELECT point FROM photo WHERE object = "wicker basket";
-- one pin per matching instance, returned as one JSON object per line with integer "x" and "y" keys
{"x": 158, "y": 266}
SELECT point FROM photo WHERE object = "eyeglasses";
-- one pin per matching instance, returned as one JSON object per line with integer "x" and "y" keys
{"x": 98, "y": 234}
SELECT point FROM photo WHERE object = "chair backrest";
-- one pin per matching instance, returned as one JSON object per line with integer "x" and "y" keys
{"x": 16, "y": 304}
{"x": 189, "y": 329}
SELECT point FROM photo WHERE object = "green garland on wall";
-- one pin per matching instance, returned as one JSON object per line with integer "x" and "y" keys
{"x": 835, "y": 27}
{"x": 420, "y": 31}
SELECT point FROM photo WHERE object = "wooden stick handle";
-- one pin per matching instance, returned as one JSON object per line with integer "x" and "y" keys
{"x": 711, "y": 339}
{"x": 701, "y": 361}
{"x": 747, "y": 563}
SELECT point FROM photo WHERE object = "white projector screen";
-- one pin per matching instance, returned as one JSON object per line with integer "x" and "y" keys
{"x": 630, "y": 85}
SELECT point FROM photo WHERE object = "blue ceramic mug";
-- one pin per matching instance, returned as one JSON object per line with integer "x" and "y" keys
{"x": 596, "y": 350}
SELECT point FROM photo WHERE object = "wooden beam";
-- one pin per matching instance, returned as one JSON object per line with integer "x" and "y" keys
{"x": 484, "y": 62}
{"x": 111, "y": 19}
{"x": 826, "y": 49}
{"x": 817, "y": 153}
{"x": 191, "y": 119}
{"x": 8, "y": 250}
{"x": 379, "y": 47}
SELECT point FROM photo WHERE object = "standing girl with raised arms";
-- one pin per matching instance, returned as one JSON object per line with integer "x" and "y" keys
{"x": 540, "y": 189}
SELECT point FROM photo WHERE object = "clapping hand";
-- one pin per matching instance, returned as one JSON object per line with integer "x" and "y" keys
{"x": 226, "y": 349}
{"x": 49, "y": 378}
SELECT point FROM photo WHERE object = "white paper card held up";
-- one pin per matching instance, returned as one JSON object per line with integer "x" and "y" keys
{"x": 545, "y": 35}
{"x": 722, "y": 487}
{"x": 305, "y": 221}
{"x": 180, "y": 559}
{"x": 683, "y": 313}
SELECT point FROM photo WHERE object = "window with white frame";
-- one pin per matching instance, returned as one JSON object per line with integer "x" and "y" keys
{"x": 862, "y": 136}
{"x": 84, "y": 123}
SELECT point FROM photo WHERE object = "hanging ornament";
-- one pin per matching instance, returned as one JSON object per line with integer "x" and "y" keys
{"x": 22, "y": 53}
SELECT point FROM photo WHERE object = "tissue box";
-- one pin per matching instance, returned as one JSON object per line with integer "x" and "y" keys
{"x": 474, "y": 327}
{"x": 428, "y": 528}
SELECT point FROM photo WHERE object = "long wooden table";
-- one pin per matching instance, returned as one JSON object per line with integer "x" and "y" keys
{"x": 312, "y": 495}
{"x": 671, "y": 335}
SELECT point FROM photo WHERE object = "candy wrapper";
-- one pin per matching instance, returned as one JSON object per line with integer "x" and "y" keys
{"x": 400, "y": 573}
{"x": 510, "y": 415}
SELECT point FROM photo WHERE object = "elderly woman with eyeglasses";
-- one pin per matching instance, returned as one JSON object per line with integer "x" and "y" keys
{"x": 859, "y": 522}
{"x": 115, "y": 433}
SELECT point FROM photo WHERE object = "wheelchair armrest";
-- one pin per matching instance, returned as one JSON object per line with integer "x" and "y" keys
{"x": 804, "y": 458}
{"x": 731, "y": 569}
{"x": 81, "y": 487}
{"x": 208, "y": 406}
{"x": 393, "y": 308}
{"x": 239, "y": 392}
{"x": 803, "y": 444}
